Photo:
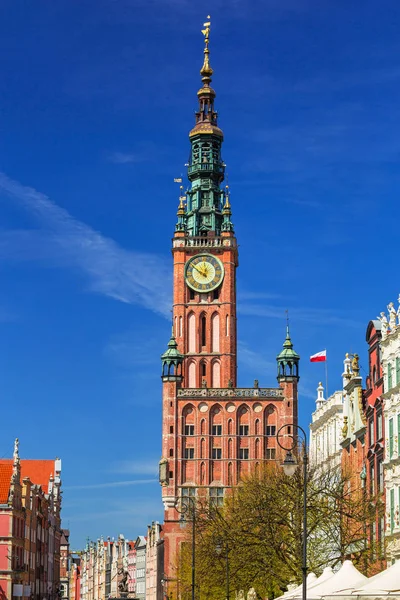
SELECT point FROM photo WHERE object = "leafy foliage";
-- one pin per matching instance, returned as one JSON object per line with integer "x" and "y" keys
{"x": 260, "y": 527}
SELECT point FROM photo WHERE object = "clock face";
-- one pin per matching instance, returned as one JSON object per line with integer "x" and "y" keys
{"x": 204, "y": 272}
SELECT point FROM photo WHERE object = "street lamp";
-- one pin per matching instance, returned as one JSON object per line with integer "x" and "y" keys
{"x": 219, "y": 551}
{"x": 186, "y": 505}
{"x": 289, "y": 466}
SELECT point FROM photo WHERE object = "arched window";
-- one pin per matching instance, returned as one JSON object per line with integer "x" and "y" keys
{"x": 202, "y": 473}
{"x": 203, "y": 330}
{"x": 216, "y": 421}
{"x": 257, "y": 448}
{"x": 230, "y": 448}
{"x": 227, "y": 325}
{"x": 192, "y": 374}
{"x": 215, "y": 333}
{"x": 203, "y": 426}
{"x": 230, "y": 426}
{"x": 203, "y": 369}
{"x": 192, "y": 333}
{"x": 216, "y": 374}
{"x": 180, "y": 326}
{"x": 257, "y": 426}
{"x": 202, "y": 448}
{"x": 230, "y": 474}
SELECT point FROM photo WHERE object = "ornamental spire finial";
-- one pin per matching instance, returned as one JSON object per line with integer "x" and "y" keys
{"x": 206, "y": 70}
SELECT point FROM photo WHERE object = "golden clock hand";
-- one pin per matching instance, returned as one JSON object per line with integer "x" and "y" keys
{"x": 197, "y": 269}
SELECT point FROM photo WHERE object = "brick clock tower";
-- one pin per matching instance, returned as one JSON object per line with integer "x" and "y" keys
{"x": 213, "y": 431}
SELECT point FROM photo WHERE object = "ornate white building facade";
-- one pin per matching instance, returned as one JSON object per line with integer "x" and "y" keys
{"x": 326, "y": 431}
{"x": 390, "y": 358}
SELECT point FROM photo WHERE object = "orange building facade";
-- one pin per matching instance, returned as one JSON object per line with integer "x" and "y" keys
{"x": 213, "y": 431}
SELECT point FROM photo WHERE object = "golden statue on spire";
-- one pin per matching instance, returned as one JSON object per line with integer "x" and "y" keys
{"x": 206, "y": 70}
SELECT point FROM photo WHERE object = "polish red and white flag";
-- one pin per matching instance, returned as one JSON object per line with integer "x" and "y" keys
{"x": 319, "y": 357}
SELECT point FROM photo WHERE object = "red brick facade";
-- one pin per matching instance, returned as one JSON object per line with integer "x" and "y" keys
{"x": 213, "y": 431}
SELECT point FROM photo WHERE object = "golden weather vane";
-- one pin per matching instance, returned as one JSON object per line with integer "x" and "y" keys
{"x": 206, "y": 31}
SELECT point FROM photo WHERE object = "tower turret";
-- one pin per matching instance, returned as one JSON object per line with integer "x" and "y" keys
{"x": 288, "y": 360}
{"x": 172, "y": 361}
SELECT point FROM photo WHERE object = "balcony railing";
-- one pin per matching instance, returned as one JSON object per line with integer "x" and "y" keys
{"x": 231, "y": 393}
{"x": 208, "y": 166}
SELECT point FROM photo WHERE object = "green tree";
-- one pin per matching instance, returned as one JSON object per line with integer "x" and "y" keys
{"x": 260, "y": 529}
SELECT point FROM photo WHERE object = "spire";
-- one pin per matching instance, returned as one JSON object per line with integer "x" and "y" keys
{"x": 16, "y": 463}
{"x": 206, "y": 70}
{"x": 205, "y": 213}
{"x": 320, "y": 398}
{"x": 227, "y": 224}
{"x": 206, "y": 117}
{"x": 172, "y": 361}
{"x": 180, "y": 225}
{"x": 288, "y": 359}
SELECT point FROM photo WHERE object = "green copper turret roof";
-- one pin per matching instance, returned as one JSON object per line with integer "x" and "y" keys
{"x": 287, "y": 352}
{"x": 172, "y": 353}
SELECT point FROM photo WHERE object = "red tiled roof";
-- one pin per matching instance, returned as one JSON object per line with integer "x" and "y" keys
{"x": 38, "y": 471}
{"x": 5, "y": 480}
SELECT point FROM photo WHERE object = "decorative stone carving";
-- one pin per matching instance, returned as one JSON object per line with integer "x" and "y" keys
{"x": 230, "y": 393}
{"x": 384, "y": 323}
{"x": 392, "y": 316}
{"x": 345, "y": 427}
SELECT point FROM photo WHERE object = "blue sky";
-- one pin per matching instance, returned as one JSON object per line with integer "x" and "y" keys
{"x": 96, "y": 101}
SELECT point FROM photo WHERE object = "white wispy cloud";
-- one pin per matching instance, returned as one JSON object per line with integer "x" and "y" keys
{"x": 128, "y": 276}
{"x": 109, "y": 484}
{"x": 137, "y": 467}
{"x": 254, "y": 361}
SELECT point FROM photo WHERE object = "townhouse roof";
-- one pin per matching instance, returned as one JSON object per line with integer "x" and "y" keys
{"x": 5, "y": 480}
{"x": 38, "y": 471}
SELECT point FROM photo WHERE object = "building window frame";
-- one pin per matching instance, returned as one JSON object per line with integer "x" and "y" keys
{"x": 216, "y": 453}
{"x": 189, "y": 430}
{"x": 216, "y": 496}
{"x": 216, "y": 430}
{"x": 270, "y": 430}
{"x": 243, "y": 453}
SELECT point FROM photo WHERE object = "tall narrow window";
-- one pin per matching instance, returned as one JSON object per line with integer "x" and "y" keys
{"x": 216, "y": 374}
{"x": 192, "y": 333}
{"x": 391, "y": 440}
{"x": 191, "y": 294}
{"x": 176, "y": 326}
{"x": 379, "y": 430}
{"x": 397, "y": 370}
{"x": 389, "y": 378}
{"x": 215, "y": 332}
{"x": 180, "y": 326}
{"x": 391, "y": 510}
{"x": 203, "y": 369}
{"x": 203, "y": 331}
{"x": 227, "y": 325}
{"x": 398, "y": 438}
{"x": 192, "y": 375}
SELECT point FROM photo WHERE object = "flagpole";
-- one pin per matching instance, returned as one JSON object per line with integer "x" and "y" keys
{"x": 326, "y": 374}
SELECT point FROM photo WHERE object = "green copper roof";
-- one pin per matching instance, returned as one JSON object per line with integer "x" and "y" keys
{"x": 287, "y": 353}
{"x": 172, "y": 353}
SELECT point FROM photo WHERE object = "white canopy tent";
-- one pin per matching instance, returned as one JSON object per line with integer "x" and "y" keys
{"x": 347, "y": 579}
{"x": 311, "y": 578}
{"x": 384, "y": 583}
{"x": 297, "y": 593}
